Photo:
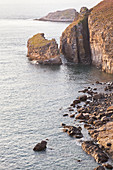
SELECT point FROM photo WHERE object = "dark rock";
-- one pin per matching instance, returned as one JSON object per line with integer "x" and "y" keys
{"x": 63, "y": 124}
{"x": 40, "y": 146}
{"x": 65, "y": 115}
{"x": 76, "y": 101}
{"x": 72, "y": 116}
{"x": 74, "y": 131}
{"x": 80, "y": 116}
{"x": 109, "y": 144}
{"x": 82, "y": 98}
{"x": 95, "y": 151}
{"x": 108, "y": 166}
{"x": 100, "y": 168}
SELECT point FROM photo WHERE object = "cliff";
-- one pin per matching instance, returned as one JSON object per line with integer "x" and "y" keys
{"x": 67, "y": 15}
{"x": 101, "y": 35}
{"x": 74, "y": 42}
{"x": 89, "y": 39}
{"x": 42, "y": 50}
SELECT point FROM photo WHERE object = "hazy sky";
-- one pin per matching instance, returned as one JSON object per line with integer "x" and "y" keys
{"x": 49, "y": 1}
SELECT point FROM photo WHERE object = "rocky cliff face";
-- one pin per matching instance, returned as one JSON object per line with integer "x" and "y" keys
{"x": 67, "y": 15}
{"x": 101, "y": 35}
{"x": 74, "y": 42}
{"x": 42, "y": 50}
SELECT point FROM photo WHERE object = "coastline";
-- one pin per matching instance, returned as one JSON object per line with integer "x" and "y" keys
{"x": 95, "y": 110}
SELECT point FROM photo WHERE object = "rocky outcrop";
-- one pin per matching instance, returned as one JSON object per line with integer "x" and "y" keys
{"x": 74, "y": 42}
{"x": 101, "y": 35}
{"x": 43, "y": 51}
{"x": 40, "y": 146}
{"x": 67, "y": 15}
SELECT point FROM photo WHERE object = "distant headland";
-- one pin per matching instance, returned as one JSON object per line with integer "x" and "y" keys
{"x": 67, "y": 15}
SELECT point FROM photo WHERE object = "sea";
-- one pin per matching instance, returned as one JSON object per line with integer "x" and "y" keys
{"x": 33, "y": 98}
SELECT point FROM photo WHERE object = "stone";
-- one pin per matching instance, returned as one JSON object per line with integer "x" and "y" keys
{"x": 99, "y": 168}
{"x": 74, "y": 131}
{"x": 80, "y": 116}
{"x": 110, "y": 108}
{"x": 82, "y": 98}
{"x": 43, "y": 51}
{"x": 64, "y": 115}
{"x": 40, "y": 146}
{"x": 108, "y": 166}
{"x": 95, "y": 151}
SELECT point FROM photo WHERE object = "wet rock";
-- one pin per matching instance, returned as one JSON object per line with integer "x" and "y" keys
{"x": 63, "y": 124}
{"x": 100, "y": 168}
{"x": 65, "y": 115}
{"x": 74, "y": 131}
{"x": 110, "y": 108}
{"x": 80, "y": 116}
{"x": 95, "y": 151}
{"x": 40, "y": 146}
{"x": 108, "y": 166}
{"x": 98, "y": 96}
{"x": 82, "y": 98}
{"x": 72, "y": 115}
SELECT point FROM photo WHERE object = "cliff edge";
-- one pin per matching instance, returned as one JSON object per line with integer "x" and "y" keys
{"x": 74, "y": 42}
{"x": 42, "y": 50}
{"x": 101, "y": 35}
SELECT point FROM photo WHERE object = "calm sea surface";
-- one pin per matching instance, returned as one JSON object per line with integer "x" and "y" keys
{"x": 33, "y": 100}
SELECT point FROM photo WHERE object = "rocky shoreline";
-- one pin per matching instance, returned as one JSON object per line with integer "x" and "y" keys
{"x": 95, "y": 110}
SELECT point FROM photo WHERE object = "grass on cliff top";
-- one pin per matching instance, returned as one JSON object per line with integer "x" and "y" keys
{"x": 38, "y": 40}
{"x": 103, "y": 12}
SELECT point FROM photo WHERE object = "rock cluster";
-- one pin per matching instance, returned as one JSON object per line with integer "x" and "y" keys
{"x": 43, "y": 51}
{"x": 67, "y": 15}
{"x": 73, "y": 131}
{"x": 96, "y": 111}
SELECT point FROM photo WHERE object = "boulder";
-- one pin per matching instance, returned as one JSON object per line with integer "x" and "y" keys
{"x": 40, "y": 146}
{"x": 43, "y": 51}
{"x": 99, "y": 168}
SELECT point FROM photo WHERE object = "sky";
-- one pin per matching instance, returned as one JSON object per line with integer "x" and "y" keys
{"x": 39, "y": 8}
{"x": 49, "y": 1}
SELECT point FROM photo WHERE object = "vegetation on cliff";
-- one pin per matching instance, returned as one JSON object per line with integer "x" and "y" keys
{"x": 42, "y": 50}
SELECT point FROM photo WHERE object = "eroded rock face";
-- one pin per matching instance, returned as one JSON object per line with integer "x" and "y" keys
{"x": 74, "y": 42}
{"x": 101, "y": 35}
{"x": 95, "y": 151}
{"x": 43, "y": 51}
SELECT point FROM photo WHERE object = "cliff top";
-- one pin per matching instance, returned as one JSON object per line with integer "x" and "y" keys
{"x": 64, "y": 15}
{"x": 103, "y": 12}
{"x": 39, "y": 40}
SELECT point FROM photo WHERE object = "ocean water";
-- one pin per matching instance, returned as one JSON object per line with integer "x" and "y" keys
{"x": 34, "y": 98}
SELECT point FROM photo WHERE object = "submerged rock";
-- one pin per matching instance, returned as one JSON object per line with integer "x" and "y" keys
{"x": 43, "y": 51}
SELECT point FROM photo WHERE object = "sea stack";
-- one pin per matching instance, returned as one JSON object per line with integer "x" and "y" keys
{"x": 43, "y": 51}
